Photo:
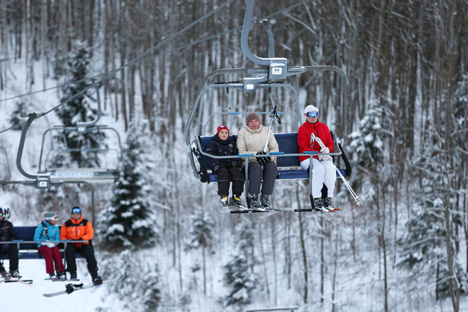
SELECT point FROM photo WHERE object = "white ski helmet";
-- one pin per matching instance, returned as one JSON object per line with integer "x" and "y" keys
{"x": 310, "y": 108}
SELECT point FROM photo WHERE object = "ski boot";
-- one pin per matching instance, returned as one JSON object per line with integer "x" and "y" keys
{"x": 61, "y": 276}
{"x": 236, "y": 202}
{"x": 97, "y": 280}
{"x": 327, "y": 203}
{"x": 4, "y": 274}
{"x": 253, "y": 203}
{"x": 224, "y": 201}
{"x": 73, "y": 276}
{"x": 266, "y": 204}
{"x": 52, "y": 276}
{"x": 15, "y": 274}
{"x": 318, "y": 205}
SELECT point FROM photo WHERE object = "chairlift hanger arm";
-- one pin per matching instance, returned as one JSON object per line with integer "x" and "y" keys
{"x": 245, "y": 37}
{"x": 200, "y": 94}
{"x": 31, "y": 118}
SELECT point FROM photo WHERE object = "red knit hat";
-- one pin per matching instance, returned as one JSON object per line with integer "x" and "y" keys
{"x": 222, "y": 127}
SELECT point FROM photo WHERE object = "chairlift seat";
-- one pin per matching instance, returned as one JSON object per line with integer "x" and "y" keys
{"x": 91, "y": 175}
{"x": 288, "y": 166}
{"x": 24, "y": 236}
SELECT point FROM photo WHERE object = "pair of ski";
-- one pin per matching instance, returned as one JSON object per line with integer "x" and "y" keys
{"x": 250, "y": 210}
{"x": 313, "y": 209}
{"x": 247, "y": 210}
{"x": 19, "y": 280}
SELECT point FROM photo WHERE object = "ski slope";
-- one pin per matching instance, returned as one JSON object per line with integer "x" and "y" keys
{"x": 22, "y": 297}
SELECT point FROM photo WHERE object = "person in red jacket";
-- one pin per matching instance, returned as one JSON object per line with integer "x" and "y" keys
{"x": 311, "y": 133}
{"x": 78, "y": 228}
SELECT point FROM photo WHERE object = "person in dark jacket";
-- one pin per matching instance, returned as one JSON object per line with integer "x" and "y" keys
{"x": 48, "y": 234}
{"x": 315, "y": 136}
{"x": 78, "y": 228}
{"x": 227, "y": 169}
{"x": 7, "y": 234}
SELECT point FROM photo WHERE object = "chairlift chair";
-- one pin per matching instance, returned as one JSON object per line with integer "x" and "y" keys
{"x": 272, "y": 74}
{"x": 45, "y": 177}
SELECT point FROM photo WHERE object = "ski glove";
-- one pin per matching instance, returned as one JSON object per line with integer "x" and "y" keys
{"x": 215, "y": 167}
{"x": 325, "y": 157}
{"x": 262, "y": 160}
{"x": 235, "y": 163}
{"x": 48, "y": 244}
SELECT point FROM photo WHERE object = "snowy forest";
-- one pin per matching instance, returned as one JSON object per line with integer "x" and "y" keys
{"x": 405, "y": 130}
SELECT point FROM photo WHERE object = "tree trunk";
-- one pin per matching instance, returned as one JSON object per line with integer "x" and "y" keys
{"x": 322, "y": 262}
{"x": 275, "y": 268}
{"x": 264, "y": 261}
{"x": 204, "y": 269}
{"x": 303, "y": 251}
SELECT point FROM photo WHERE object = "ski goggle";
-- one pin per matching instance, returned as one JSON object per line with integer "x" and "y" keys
{"x": 1, "y": 214}
{"x": 311, "y": 114}
{"x": 54, "y": 218}
{"x": 76, "y": 210}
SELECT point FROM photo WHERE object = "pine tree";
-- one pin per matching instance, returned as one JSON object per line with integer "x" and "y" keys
{"x": 423, "y": 245}
{"x": 140, "y": 283}
{"x": 78, "y": 109}
{"x": 367, "y": 144}
{"x": 129, "y": 219}
{"x": 239, "y": 275}
{"x": 460, "y": 117}
{"x": 201, "y": 236}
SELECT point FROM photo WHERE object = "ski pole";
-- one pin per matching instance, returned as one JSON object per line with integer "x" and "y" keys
{"x": 346, "y": 183}
{"x": 273, "y": 115}
{"x": 348, "y": 186}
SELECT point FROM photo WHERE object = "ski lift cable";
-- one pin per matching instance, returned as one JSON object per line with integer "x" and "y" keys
{"x": 201, "y": 40}
{"x": 141, "y": 58}
{"x": 138, "y": 58}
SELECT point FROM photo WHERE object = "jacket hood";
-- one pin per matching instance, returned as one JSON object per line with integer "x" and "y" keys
{"x": 259, "y": 129}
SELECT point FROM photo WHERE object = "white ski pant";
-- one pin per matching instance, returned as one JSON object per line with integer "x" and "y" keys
{"x": 323, "y": 172}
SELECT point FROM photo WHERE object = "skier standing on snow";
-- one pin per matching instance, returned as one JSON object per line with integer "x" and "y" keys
{"x": 7, "y": 234}
{"x": 78, "y": 228}
{"x": 47, "y": 232}
{"x": 229, "y": 169}
{"x": 251, "y": 140}
{"x": 323, "y": 169}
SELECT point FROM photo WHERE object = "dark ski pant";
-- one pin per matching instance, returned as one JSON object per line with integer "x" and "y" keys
{"x": 257, "y": 172}
{"x": 12, "y": 252}
{"x": 52, "y": 255}
{"x": 225, "y": 176}
{"x": 87, "y": 251}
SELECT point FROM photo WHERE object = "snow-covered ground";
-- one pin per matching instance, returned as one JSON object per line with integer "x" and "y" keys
{"x": 22, "y": 297}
